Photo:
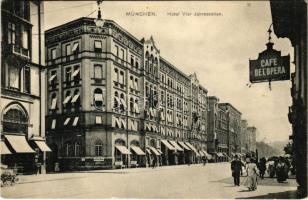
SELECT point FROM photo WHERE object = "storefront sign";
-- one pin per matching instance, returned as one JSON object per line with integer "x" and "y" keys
{"x": 98, "y": 159}
{"x": 270, "y": 66}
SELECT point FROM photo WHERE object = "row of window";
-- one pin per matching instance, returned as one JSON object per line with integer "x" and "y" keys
{"x": 74, "y": 150}
{"x": 120, "y": 52}
{"x": 72, "y": 75}
{"x": 69, "y": 121}
{"x": 69, "y": 50}
{"x": 21, "y": 8}
{"x": 122, "y": 123}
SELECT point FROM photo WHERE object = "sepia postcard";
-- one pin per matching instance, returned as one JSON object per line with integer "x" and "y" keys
{"x": 153, "y": 99}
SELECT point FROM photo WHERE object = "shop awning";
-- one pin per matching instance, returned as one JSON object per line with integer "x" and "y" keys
{"x": 137, "y": 150}
{"x": 4, "y": 149}
{"x": 148, "y": 151}
{"x": 177, "y": 147}
{"x": 207, "y": 155}
{"x": 168, "y": 145}
{"x": 201, "y": 153}
{"x": 225, "y": 154}
{"x": 19, "y": 144}
{"x": 191, "y": 147}
{"x": 184, "y": 146}
{"x": 154, "y": 151}
{"x": 159, "y": 151}
{"x": 123, "y": 150}
{"x": 233, "y": 154}
{"x": 220, "y": 154}
{"x": 43, "y": 146}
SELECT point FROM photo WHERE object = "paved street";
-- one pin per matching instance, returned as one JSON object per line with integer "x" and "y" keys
{"x": 195, "y": 181}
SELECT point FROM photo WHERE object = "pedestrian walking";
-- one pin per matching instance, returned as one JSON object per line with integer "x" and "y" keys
{"x": 204, "y": 160}
{"x": 252, "y": 173}
{"x": 154, "y": 162}
{"x": 262, "y": 167}
{"x": 281, "y": 170}
{"x": 236, "y": 167}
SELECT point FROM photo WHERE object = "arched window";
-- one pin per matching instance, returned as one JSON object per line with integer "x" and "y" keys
{"x": 131, "y": 82}
{"x": 131, "y": 104}
{"x": 132, "y": 61}
{"x": 136, "y": 84}
{"x": 15, "y": 120}
{"x": 134, "y": 143}
{"x": 116, "y": 75}
{"x": 152, "y": 143}
{"x": 115, "y": 102}
{"x": 98, "y": 98}
{"x": 137, "y": 64}
{"x": 122, "y": 79}
{"x": 122, "y": 102}
{"x": 119, "y": 142}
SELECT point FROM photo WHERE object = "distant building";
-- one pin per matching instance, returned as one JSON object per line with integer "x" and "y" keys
{"x": 22, "y": 93}
{"x": 217, "y": 130}
{"x": 251, "y": 133}
{"x": 244, "y": 137}
{"x": 234, "y": 127}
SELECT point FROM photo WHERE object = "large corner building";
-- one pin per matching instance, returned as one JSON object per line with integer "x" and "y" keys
{"x": 114, "y": 101}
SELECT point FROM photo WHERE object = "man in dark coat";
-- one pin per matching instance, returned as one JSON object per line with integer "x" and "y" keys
{"x": 236, "y": 167}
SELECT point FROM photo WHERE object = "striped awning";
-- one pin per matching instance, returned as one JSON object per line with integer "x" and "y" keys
{"x": 4, "y": 149}
{"x": 154, "y": 151}
{"x": 123, "y": 150}
{"x": 173, "y": 143}
{"x": 184, "y": 145}
{"x": 192, "y": 148}
{"x": 137, "y": 150}
{"x": 168, "y": 145}
{"x": 19, "y": 143}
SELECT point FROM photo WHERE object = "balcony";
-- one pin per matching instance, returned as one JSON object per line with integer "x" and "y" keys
{"x": 16, "y": 50}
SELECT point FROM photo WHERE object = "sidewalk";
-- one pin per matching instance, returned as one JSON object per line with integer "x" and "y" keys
{"x": 82, "y": 174}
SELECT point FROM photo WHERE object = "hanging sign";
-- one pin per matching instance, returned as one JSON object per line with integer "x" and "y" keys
{"x": 270, "y": 66}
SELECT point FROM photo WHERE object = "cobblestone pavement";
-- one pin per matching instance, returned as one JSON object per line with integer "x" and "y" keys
{"x": 194, "y": 181}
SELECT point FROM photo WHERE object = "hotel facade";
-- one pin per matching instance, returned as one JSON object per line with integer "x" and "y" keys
{"x": 114, "y": 101}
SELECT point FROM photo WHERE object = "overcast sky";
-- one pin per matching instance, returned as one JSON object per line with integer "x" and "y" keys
{"x": 217, "y": 48}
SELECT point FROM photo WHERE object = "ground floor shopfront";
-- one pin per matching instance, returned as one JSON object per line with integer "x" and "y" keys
{"x": 102, "y": 148}
{"x": 23, "y": 146}
{"x": 23, "y": 155}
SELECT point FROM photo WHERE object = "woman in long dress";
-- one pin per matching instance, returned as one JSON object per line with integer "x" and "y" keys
{"x": 252, "y": 173}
